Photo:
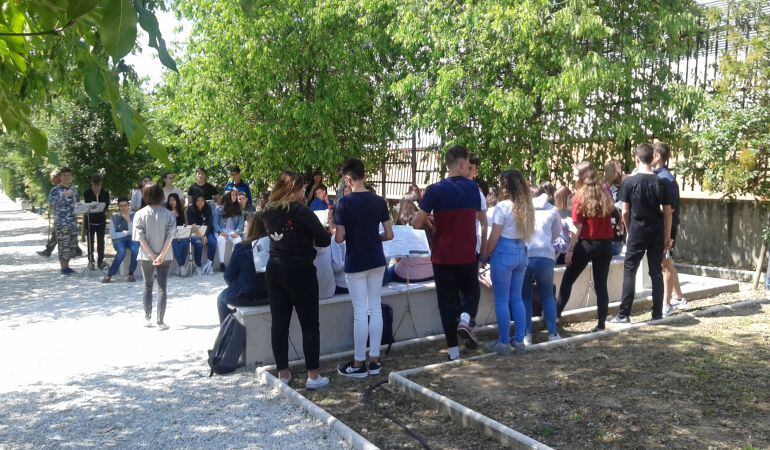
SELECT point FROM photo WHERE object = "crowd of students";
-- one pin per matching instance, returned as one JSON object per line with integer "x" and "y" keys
{"x": 283, "y": 256}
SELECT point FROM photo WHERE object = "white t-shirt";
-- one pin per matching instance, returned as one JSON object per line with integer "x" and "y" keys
{"x": 176, "y": 191}
{"x": 478, "y": 223}
{"x": 324, "y": 272}
{"x": 260, "y": 249}
{"x": 504, "y": 216}
{"x": 338, "y": 263}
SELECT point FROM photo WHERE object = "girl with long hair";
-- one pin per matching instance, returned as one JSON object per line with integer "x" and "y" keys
{"x": 592, "y": 241}
{"x": 137, "y": 199}
{"x": 199, "y": 215}
{"x": 228, "y": 225}
{"x": 179, "y": 246}
{"x": 291, "y": 276}
{"x": 512, "y": 226}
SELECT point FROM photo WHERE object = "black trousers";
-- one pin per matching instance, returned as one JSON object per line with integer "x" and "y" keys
{"x": 96, "y": 230}
{"x": 293, "y": 288}
{"x": 599, "y": 254}
{"x": 635, "y": 250}
{"x": 457, "y": 292}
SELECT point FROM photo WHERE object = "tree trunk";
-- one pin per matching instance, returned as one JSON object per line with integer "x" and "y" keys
{"x": 760, "y": 262}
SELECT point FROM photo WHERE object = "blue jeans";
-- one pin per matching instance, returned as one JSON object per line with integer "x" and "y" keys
{"x": 121, "y": 245}
{"x": 540, "y": 270}
{"x": 211, "y": 248}
{"x": 181, "y": 248}
{"x": 507, "y": 267}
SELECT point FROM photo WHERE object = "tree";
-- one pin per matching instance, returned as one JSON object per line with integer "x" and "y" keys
{"x": 64, "y": 47}
{"x": 275, "y": 85}
{"x": 731, "y": 133}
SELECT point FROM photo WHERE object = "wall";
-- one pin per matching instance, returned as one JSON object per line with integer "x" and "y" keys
{"x": 721, "y": 233}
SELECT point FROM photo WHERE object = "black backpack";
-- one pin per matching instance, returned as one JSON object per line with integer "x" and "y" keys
{"x": 228, "y": 347}
{"x": 387, "y": 327}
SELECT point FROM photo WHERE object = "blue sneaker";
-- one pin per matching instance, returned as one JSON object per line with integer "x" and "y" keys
{"x": 67, "y": 271}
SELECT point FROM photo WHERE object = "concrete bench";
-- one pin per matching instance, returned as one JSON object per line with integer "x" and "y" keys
{"x": 415, "y": 314}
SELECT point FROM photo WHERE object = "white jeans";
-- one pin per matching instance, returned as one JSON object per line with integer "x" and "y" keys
{"x": 222, "y": 243}
{"x": 365, "y": 291}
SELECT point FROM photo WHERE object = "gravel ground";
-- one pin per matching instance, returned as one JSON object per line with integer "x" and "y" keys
{"x": 80, "y": 370}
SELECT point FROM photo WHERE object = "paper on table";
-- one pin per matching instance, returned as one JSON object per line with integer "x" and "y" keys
{"x": 182, "y": 232}
{"x": 200, "y": 230}
{"x": 90, "y": 208}
{"x": 406, "y": 242}
{"x": 323, "y": 216}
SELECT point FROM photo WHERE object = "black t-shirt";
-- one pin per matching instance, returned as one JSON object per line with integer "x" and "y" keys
{"x": 207, "y": 191}
{"x": 361, "y": 214}
{"x": 104, "y": 197}
{"x": 293, "y": 234}
{"x": 646, "y": 193}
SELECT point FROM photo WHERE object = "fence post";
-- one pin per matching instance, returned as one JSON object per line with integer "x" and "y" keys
{"x": 384, "y": 180}
{"x": 414, "y": 157}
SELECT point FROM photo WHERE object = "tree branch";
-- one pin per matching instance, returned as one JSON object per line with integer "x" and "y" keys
{"x": 54, "y": 32}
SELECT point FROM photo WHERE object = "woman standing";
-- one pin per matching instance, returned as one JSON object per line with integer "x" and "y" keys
{"x": 229, "y": 225}
{"x": 199, "y": 215}
{"x": 291, "y": 277}
{"x": 154, "y": 227}
{"x": 179, "y": 246}
{"x": 512, "y": 225}
{"x": 592, "y": 241}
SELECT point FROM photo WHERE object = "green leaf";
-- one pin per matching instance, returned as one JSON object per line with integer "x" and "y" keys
{"x": 77, "y": 8}
{"x": 119, "y": 28}
{"x": 159, "y": 152}
{"x": 38, "y": 141}
{"x": 149, "y": 23}
{"x": 93, "y": 81}
{"x": 165, "y": 57}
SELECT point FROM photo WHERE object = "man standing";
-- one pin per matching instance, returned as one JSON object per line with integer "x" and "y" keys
{"x": 97, "y": 222}
{"x": 201, "y": 187}
{"x": 455, "y": 204}
{"x": 670, "y": 275}
{"x": 237, "y": 184}
{"x": 62, "y": 199}
{"x": 169, "y": 188}
{"x": 647, "y": 217}
{"x": 482, "y": 226}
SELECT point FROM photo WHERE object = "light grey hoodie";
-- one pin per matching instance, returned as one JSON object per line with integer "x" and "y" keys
{"x": 548, "y": 228}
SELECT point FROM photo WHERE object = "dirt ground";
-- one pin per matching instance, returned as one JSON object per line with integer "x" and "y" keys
{"x": 345, "y": 398}
{"x": 699, "y": 383}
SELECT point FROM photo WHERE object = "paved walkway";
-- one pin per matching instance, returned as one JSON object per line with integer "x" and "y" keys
{"x": 80, "y": 370}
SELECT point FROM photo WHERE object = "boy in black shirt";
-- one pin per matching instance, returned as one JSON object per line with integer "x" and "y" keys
{"x": 647, "y": 217}
{"x": 97, "y": 221}
{"x": 201, "y": 187}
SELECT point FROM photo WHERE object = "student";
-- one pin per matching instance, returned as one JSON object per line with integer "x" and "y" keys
{"x": 455, "y": 204}
{"x": 662, "y": 153}
{"x": 591, "y": 242}
{"x": 169, "y": 188}
{"x": 247, "y": 209}
{"x": 228, "y": 225}
{"x": 321, "y": 201}
{"x": 180, "y": 246}
{"x": 63, "y": 199}
{"x": 644, "y": 196}
{"x": 541, "y": 253}
{"x": 414, "y": 189}
{"x": 51, "y": 244}
{"x": 482, "y": 229}
{"x": 412, "y": 269}
{"x": 237, "y": 184}
{"x": 97, "y": 222}
{"x": 506, "y": 249}
{"x": 245, "y": 275}
{"x": 120, "y": 229}
{"x": 199, "y": 214}
{"x": 290, "y": 277}
{"x": 137, "y": 202}
{"x": 201, "y": 187}
{"x": 358, "y": 218}
{"x": 154, "y": 227}
{"x": 613, "y": 177}
{"x": 311, "y": 188}
{"x": 561, "y": 201}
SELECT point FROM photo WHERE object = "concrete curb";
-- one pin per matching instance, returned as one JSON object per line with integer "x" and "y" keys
{"x": 353, "y": 438}
{"x": 508, "y": 436}
{"x": 725, "y": 273}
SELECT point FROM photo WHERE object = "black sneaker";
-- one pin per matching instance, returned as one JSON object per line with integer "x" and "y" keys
{"x": 597, "y": 329}
{"x": 44, "y": 253}
{"x": 619, "y": 319}
{"x": 67, "y": 272}
{"x": 347, "y": 370}
{"x": 375, "y": 367}
{"x": 221, "y": 267}
{"x": 465, "y": 332}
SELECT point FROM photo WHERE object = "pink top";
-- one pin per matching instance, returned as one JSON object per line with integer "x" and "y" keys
{"x": 414, "y": 268}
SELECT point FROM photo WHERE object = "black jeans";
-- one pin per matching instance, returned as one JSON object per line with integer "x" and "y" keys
{"x": 635, "y": 250}
{"x": 599, "y": 254}
{"x": 457, "y": 291}
{"x": 293, "y": 288}
{"x": 96, "y": 229}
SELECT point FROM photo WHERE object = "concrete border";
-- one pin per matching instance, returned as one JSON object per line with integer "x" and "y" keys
{"x": 508, "y": 436}
{"x": 351, "y": 436}
{"x": 725, "y": 273}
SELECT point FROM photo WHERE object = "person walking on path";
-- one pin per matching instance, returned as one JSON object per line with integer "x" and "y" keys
{"x": 647, "y": 217}
{"x": 455, "y": 205}
{"x": 512, "y": 227}
{"x": 120, "y": 229}
{"x": 154, "y": 227}
{"x": 358, "y": 217}
{"x": 291, "y": 276}
{"x": 63, "y": 199}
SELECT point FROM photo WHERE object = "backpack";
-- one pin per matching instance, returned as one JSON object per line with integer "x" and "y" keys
{"x": 228, "y": 347}
{"x": 387, "y": 327}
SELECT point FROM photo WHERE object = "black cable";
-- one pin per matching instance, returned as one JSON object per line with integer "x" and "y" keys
{"x": 367, "y": 397}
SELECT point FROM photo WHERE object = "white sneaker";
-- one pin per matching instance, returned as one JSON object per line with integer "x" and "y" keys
{"x": 678, "y": 303}
{"x": 667, "y": 311}
{"x": 527, "y": 339}
{"x": 554, "y": 337}
{"x": 318, "y": 383}
{"x": 207, "y": 268}
{"x": 285, "y": 380}
{"x": 162, "y": 327}
{"x": 148, "y": 323}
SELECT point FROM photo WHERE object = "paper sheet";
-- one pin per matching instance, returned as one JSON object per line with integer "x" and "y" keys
{"x": 406, "y": 242}
{"x": 323, "y": 216}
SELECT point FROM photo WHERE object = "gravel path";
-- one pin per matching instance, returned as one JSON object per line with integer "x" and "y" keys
{"x": 80, "y": 370}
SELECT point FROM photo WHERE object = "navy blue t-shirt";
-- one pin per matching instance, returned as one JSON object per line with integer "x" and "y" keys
{"x": 361, "y": 214}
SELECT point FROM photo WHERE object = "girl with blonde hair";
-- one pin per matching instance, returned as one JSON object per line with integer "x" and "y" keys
{"x": 592, "y": 241}
{"x": 512, "y": 226}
